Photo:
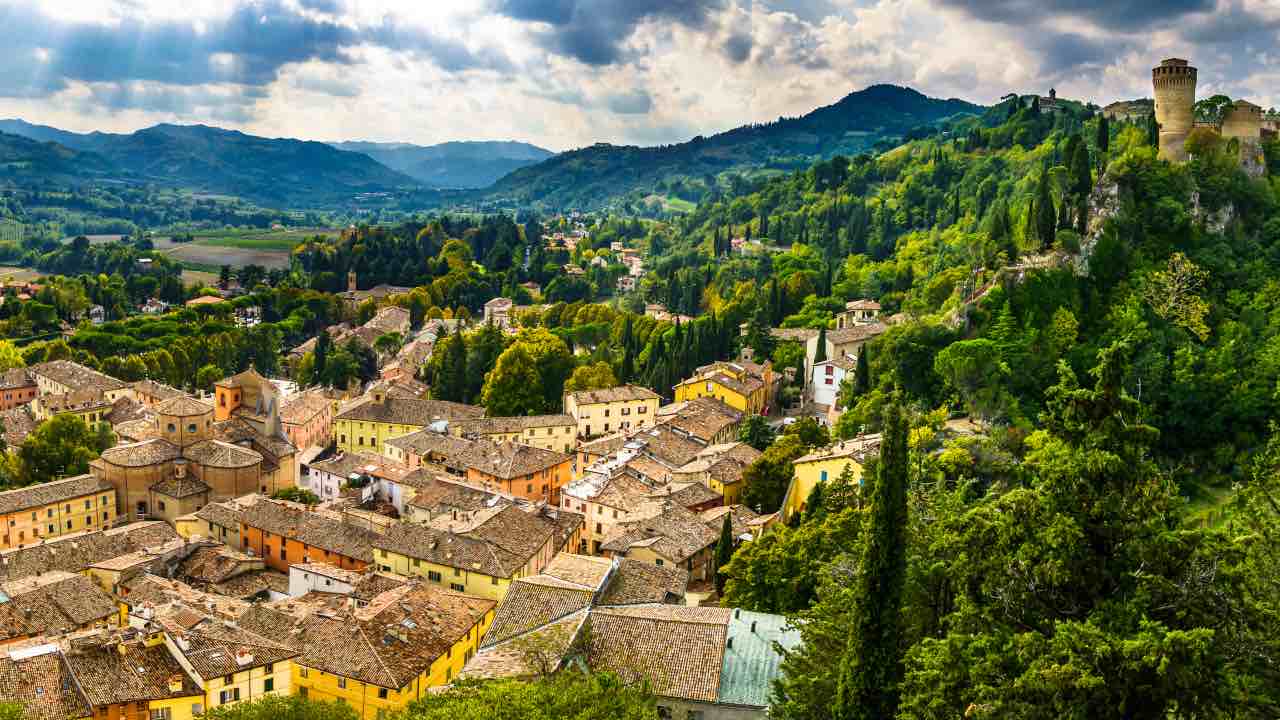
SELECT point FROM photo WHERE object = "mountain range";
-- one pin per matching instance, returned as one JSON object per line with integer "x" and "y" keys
{"x": 288, "y": 173}
{"x": 474, "y": 164}
{"x": 597, "y": 175}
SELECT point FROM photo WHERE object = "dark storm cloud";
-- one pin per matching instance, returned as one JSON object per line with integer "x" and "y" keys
{"x": 738, "y": 47}
{"x": 1234, "y": 25}
{"x": 1109, "y": 14}
{"x": 1065, "y": 52}
{"x": 594, "y": 31}
{"x": 247, "y": 47}
{"x": 636, "y": 102}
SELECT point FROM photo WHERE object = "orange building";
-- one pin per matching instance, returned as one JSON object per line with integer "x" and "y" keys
{"x": 284, "y": 534}
{"x": 519, "y": 470}
{"x": 17, "y": 387}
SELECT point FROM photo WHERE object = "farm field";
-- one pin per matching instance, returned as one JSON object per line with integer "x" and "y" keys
{"x": 237, "y": 248}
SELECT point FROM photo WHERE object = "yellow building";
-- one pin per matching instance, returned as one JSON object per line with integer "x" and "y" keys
{"x": 229, "y": 664}
{"x": 366, "y": 426}
{"x": 548, "y": 432}
{"x": 616, "y": 409}
{"x": 89, "y": 406}
{"x": 38, "y": 512}
{"x": 383, "y": 656}
{"x": 720, "y": 468}
{"x": 480, "y": 552}
{"x": 743, "y": 385}
{"x": 134, "y": 679}
{"x": 823, "y": 465}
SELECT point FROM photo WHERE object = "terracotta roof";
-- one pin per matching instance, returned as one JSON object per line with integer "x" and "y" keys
{"x": 141, "y": 454}
{"x": 132, "y": 431}
{"x": 613, "y": 394}
{"x": 431, "y": 443}
{"x": 862, "y": 305}
{"x": 405, "y": 411}
{"x": 856, "y": 333}
{"x": 74, "y": 401}
{"x": 112, "y": 673}
{"x": 16, "y": 378}
{"x": 581, "y": 570}
{"x": 215, "y": 564}
{"x": 204, "y": 300}
{"x": 237, "y": 430}
{"x": 635, "y": 582}
{"x": 18, "y": 424}
{"x": 184, "y": 406}
{"x": 664, "y": 444}
{"x": 159, "y": 390}
{"x": 508, "y": 460}
{"x": 858, "y": 448}
{"x": 503, "y": 425}
{"x": 435, "y": 491}
{"x": 665, "y": 528}
{"x": 211, "y": 646}
{"x": 51, "y": 604}
{"x": 56, "y": 491}
{"x": 605, "y": 445}
{"x": 302, "y": 407}
{"x": 512, "y": 659}
{"x": 74, "y": 553}
{"x": 40, "y": 682}
{"x": 219, "y": 454}
{"x": 687, "y": 495}
{"x": 373, "y": 584}
{"x": 126, "y": 409}
{"x": 844, "y": 362}
{"x": 498, "y": 547}
{"x": 742, "y": 387}
{"x": 533, "y": 602}
{"x": 179, "y": 488}
{"x": 243, "y": 378}
{"x": 703, "y": 418}
{"x": 75, "y": 376}
{"x": 358, "y": 463}
{"x": 312, "y": 528}
{"x": 678, "y": 650}
{"x": 742, "y": 519}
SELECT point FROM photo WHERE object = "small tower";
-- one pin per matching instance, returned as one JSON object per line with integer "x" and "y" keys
{"x": 351, "y": 281}
{"x": 1174, "y": 81}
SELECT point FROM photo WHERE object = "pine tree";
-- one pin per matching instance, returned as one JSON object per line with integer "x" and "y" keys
{"x": 724, "y": 551}
{"x": 871, "y": 669}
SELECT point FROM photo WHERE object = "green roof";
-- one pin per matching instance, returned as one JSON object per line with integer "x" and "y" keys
{"x": 751, "y": 662}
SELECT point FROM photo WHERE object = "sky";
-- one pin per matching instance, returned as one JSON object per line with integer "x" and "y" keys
{"x": 568, "y": 73}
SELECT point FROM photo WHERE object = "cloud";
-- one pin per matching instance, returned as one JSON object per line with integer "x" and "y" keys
{"x": 636, "y": 102}
{"x": 1104, "y": 13}
{"x": 594, "y": 32}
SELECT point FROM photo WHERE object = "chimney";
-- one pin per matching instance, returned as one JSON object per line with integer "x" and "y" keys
{"x": 748, "y": 354}
{"x": 175, "y": 683}
{"x": 180, "y": 468}
{"x": 243, "y": 657}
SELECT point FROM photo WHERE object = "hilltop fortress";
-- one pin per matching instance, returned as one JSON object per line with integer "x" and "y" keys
{"x": 1174, "y": 81}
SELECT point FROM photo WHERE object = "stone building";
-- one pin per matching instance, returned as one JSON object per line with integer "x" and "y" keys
{"x": 191, "y": 461}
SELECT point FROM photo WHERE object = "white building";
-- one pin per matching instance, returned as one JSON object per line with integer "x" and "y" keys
{"x": 827, "y": 376}
{"x": 321, "y": 577}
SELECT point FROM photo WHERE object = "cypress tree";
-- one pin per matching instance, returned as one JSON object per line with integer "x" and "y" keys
{"x": 321, "y": 357}
{"x": 1103, "y": 139}
{"x": 451, "y": 382}
{"x": 813, "y": 505}
{"x": 862, "y": 372}
{"x": 820, "y": 354}
{"x": 1153, "y": 131}
{"x": 1046, "y": 219}
{"x": 1081, "y": 171}
{"x": 724, "y": 552}
{"x": 867, "y": 686}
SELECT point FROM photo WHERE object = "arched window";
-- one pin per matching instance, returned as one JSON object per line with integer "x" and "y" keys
{"x": 173, "y": 428}
{"x": 191, "y": 427}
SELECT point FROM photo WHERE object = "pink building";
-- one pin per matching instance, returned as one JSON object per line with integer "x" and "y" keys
{"x": 307, "y": 420}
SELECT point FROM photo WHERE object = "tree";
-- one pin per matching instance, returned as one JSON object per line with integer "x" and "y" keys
{"x": 1174, "y": 295}
{"x": 10, "y": 358}
{"x": 755, "y": 431}
{"x": 1046, "y": 215}
{"x": 765, "y": 480}
{"x": 1212, "y": 109}
{"x": 1103, "y": 138}
{"x": 871, "y": 669}
{"x": 514, "y": 386}
{"x": 1153, "y": 131}
{"x": 591, "y": 377}
{"x": 449, "y": 381}
{"x": 820, "y": 355}
{"x": 61, "y": 446}
{"x": 388, "y": 344}
{"x": 568, "y": 694}
{"x": 724, "y": 552}
{"x": 207, "y": 376}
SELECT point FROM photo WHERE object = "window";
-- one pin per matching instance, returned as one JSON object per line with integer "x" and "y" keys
{"x": 68, "y": 524}
{"x": 598, "y": 530}
{"x": 302, "y": 691}
{"x": 49, "y": 512}
{"x": 160, "y": 714}
{"x": 270, "y": 668}
{"x": 87, "y": 504}
{"x": 657, "y": 561}
{"x": 457, "y": 572}
{"x": 226, "y": 696}
{"x": 302, "y": 672}
{"x": 197, "y": 709}
{"x": 822, "y": 477}
{"x": 161, "y": 504}
{"x": 269, "y": 684}
{"x": 342, "y": 683}
{"x": 433, "y": 576}
{"x": 458, "y": 587}
{"x": 382, "y": 693}
{"x": 191, "y": 427}
{"x": 664, "y": 712}
{"x": 172, "y": 427}
{"x": 642, "y": 409}
{"x": 493, "y": 581}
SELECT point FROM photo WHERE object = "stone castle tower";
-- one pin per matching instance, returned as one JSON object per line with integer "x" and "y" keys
{"x": 1175, "y": 89}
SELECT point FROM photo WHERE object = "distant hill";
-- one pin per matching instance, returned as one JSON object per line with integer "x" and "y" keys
{"x": 278, "y": 172}
{"x": 24, "y": 160}
{"x": 598, "y": 175}
{"x": 476, "y": 164}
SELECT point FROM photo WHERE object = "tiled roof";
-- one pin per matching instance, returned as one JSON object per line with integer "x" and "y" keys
{"x": 151, "y": 388}
{"x": 742, "y": 519}
{"x": 210, "y": 646}
{"x": 504, "y": 425}
{"x": 18, "y": 424}
{"x": 844, "y": 362}
{"x": 237, "y": 430}
{"x": 604, "y": 445}
{"x": 687, "y": 495}
{"x": 703, "y": 418}
{"x": 512, "y": 658}
{"x": 862, "y": 305}
{"x": 116, "y": 673}
{"x": 856, "y": 333}
{"x": 311, "y": 528}
{"x": 678, "y": 650}
{"x": 75, "y": 401}
{"x": 75, "y": 376}
{"x": 241, "y": 379}
{"x": 613, "y": 394}
{"x": 635, "y": 582}
{"x": 300, "y": 408}
{"x": 533, "y": 602}
{"x": 429, "y": 442}
{"x": 74, "y": 553}
{"x": 744, "y": 387}
{"x": 393, "y": 640}
{"x": 665, "y": 445}
{"x": 39, "y": 681}
{"x": 508, "y": 460}
{"x": 51, "y": 604}
{"x": 434, "y": 490}
{"x": 358, "y": 463}
{"x": 215, "y": 564}
{"x": 141, "y": 454}
{"x": 498, "y": 547}
{"x": 583, "y": 570}
{"x": 666, "y": 528}
{"x": 15, "y": 378}
{"x": 34, "y": 496}
{"x": 405, "y": 411}
{"x": 179, "y": 488}
{"x": 857, "y": 448}
{"x": 184, "y": 406}
{"x": 126, "y": 409}
{"x": 219, "y": 454}
{"x": 132, "y": 431}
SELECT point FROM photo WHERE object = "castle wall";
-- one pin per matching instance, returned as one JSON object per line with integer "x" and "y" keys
{"x": 1242, "y": 121}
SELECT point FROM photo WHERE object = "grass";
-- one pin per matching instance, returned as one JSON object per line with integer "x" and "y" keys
{"x": 282, "y": 240}
{"x": 1208, "y": 504}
